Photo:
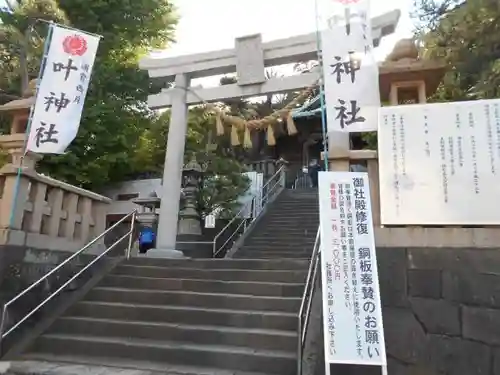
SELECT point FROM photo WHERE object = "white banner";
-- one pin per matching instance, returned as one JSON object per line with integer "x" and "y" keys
{"x": 440, "y": 163}
{"x": 350, "y": 71}
{"x": 62, "y": 90}
{"x": 352, "y": 314}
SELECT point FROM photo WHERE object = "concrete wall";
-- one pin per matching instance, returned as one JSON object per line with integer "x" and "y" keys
{"x": 141, "y": 187}
{"x": 21, "y": 266}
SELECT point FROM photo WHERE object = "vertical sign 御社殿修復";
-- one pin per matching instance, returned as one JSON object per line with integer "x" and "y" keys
{"x": 352, "y": 314}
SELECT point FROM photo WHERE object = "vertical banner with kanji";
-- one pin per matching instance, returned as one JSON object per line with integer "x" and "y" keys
{"x": 62, "y": 90}
{"x": 352, "y": 313}
{"x": 350, "y": 71}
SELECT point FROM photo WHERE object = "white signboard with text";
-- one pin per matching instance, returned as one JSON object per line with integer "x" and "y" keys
{"x": 352, "y": 314}
{"x": 350, "y": 71}
{"x": 440, "y": 163}
{"x": 254, "y": 191}
{"x": 62, "y": 90}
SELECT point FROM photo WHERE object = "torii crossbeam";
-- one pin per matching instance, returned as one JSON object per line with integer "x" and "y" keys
{"x": 248, "y": 60}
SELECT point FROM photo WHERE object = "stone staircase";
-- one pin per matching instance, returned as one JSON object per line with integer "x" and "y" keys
{"x": 287, "y": 230}
{"x": 185, "y": 316}
{"x": 212, "y": 316}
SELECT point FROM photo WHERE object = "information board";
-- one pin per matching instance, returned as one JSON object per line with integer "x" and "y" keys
{"x": 440, "y": 163}
{"x": 352, "y": 314}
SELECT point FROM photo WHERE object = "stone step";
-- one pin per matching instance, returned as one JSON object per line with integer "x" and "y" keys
{"x": 290, "y": 219}
{"x": 50, "y": 364}
{"x": 292, "y": 236}
{"x": 279, "y": 225}
{"x": 306, "y": 205}
{"x": 250, "y": 288}
{"x": 186, "y": 315}
{"x": 216, "y": 264}
{"x": 294, "y": 209}
{"x": 226, "y": 357}
{"x": 194, "y": 299}
{"x": 303, "y": 205}
{"x": 282, "y": 249}
{"x": 280, "y": 240}
{"x": 295, "y": 215}
{"x": 283, "y": 217}
{"x": 271, "y": 255}
{"x": 285, "y": 231}
{"x": 289, "y": 276}
{"x": 299, "y": 201}
{"x": 197, "y": 334}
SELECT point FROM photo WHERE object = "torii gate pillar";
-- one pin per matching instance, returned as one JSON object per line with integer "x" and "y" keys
{"x": 174, "y": 162}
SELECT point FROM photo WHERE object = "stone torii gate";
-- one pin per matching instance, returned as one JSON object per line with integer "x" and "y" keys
{"x": 248, "y": 60}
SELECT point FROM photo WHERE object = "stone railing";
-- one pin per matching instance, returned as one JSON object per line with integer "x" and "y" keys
{"x": 412, "y": 236}
{"x": 48, "y": 214}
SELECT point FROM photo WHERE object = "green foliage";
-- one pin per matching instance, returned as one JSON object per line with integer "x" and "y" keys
{"x": 223, "y": 182}
{"x": 119, "y": 137}
{"x": 115, "y": 114}
{"x": 223, "y": 179}
{"x": 466, "y": 35}
{"x": 21, "y": 41}
{"x": 115, "y": 111}
{"x": 371, "y": 140}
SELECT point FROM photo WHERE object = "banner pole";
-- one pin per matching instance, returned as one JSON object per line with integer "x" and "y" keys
{"x": 321, "y": 87}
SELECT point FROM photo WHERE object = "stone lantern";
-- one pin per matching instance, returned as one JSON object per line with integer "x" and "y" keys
{"x": 14, "y": 143}
{"x": 406, "y": 78}
{"x": 192, "y": 179}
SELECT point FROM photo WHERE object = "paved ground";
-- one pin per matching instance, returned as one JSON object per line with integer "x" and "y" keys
{"x": 105, "y": 367}
{"x": 53, "y": 368}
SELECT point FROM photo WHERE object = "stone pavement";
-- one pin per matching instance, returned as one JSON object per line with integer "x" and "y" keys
{"x": 54, "y": 368}
{"x": 80, "y": 366}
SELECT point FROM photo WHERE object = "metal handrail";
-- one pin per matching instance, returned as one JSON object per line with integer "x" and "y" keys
{"x": 307, "y": 298}
{"x": 3, "y": 334}
{"x": 264, "y": 198}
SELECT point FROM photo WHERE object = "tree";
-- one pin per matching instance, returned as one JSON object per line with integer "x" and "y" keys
{"x": 223, "y": 182}
{"x": 466, "y": 35}
{"x": 21, "y": 41}
{"x": 115, "y": 112}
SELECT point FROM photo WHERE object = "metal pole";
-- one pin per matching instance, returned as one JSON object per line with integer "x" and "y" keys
{"x": 299, "y": 347}
{"x": 130, "y": 240}
{"x": 2, "y": 326}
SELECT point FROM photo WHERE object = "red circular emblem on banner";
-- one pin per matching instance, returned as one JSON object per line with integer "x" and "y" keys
{"x": 75, "y": 45}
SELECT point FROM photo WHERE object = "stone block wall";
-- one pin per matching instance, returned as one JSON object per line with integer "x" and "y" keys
{"x": 441, "y": 310}
{"x": 20, "y": 266}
